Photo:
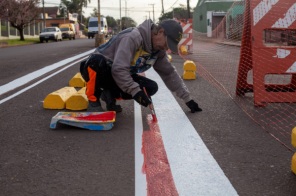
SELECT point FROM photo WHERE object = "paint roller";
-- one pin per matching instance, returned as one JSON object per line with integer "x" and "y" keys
{"x": 154, "y": 119}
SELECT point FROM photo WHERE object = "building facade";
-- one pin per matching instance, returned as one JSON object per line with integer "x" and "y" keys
{"x": 208, "y": 14}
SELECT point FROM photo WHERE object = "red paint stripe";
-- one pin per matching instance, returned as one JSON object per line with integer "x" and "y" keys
{"x": 156, "y": 166}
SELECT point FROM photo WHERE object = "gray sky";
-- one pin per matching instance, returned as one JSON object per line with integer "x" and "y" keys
{"x": 135, "y": 10}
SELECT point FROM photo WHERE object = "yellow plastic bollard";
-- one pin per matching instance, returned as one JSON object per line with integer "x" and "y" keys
{"x": 183, "y": 50}
{"x": 78, "y": 101}
{"x": 293, "y": 141}
{"x": 293, "y": 137}
{"x": 293, "y": 163}
{"x": 77, "y": 81}
{"x": 57, "y": 99}
{"x": 189, "y": 68}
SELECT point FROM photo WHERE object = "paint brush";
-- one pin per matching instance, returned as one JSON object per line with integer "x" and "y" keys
{"x": 154, "y": 119}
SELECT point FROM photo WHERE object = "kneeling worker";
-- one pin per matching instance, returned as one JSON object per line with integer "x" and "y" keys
{"x": 112, "y": 71}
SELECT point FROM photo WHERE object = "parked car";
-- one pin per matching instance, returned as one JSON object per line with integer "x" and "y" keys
{"x": 50, "y": 33}
{"x": 68, "y": 31}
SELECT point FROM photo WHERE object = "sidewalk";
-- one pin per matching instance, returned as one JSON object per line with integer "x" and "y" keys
{"x": 231, "y": 43}
{"x": 254, "y": 162}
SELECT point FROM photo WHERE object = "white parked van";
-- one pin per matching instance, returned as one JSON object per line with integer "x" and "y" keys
{"x": 93, "y": 26}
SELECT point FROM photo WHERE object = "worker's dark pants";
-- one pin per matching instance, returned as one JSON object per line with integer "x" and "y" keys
{"x": 100, "y": 79}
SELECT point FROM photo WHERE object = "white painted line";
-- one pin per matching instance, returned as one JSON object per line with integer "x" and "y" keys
{"x": 194, "y": 169}
{"x": 38, "y": 82}
{"x": 31, "y": 76}
{"x": 140, "y": 177}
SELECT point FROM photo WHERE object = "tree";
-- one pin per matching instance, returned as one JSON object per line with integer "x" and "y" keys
{"x": 94, "y": 13}
{"x": 127, "y": 22}
{"x": 84, "y": 3}
{"x": 63, "y": 11}
{"x": 111, "y": 22}
{"x": 178, "y": 13}
{"x": 20, "y": 13}
{"x": 75, "y": 6}
{"x": 72, "y": 6}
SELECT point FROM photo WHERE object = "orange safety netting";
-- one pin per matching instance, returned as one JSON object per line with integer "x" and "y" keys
{"x": 251, "y": 56}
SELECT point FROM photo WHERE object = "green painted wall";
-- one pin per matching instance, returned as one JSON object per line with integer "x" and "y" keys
{"x": 200, "y": 13}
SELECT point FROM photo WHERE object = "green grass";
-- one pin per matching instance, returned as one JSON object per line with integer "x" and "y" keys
{"x": 14, "y": 42}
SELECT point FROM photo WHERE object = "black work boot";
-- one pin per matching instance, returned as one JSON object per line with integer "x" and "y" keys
{"x": 94, "y": 106}
{"x": 110, "y": 101}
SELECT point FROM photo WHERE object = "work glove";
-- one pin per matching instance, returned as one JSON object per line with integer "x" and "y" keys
{"x": 142, "y": 98}
{"x": 193, "y": 106}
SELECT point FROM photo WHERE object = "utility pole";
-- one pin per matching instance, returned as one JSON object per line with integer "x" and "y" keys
{"x": 120, "y": 23}
{"x": 162, "y": 9}
{"x": 173, "y": 13}
{"x": 99, "y": 17}
{"x": 99, "y": 37}
{"x": 188, "y": 9}
{"x": 44, "y": 24}
{"x": 153, "y": 11}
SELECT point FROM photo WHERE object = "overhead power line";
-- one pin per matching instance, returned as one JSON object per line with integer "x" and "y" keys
{"x": 130, "y": 9}
{"x": 171, "y": 6}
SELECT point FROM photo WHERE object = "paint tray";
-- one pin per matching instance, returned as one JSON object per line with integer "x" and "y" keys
{"x": 87, "y": 120}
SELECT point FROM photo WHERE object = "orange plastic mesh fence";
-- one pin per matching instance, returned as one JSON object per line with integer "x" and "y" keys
{"x": 251, "y": 56}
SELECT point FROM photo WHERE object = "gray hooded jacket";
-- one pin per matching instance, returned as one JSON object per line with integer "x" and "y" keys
{"x": 130, "y": 52}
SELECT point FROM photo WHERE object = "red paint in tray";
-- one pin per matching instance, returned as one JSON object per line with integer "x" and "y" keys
{"x": 106, "y": 116}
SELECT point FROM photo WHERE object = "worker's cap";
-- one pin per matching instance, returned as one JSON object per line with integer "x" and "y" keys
{"x": 173, "y": 31}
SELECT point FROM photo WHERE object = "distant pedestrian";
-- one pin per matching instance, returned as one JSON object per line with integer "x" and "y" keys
{"x": 112, "y": 71}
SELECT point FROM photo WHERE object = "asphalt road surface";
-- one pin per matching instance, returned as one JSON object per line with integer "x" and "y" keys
{"x": 36, "y": 160}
